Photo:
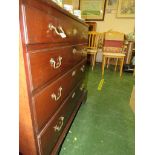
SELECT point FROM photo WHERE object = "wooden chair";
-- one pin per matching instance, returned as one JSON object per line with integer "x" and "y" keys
{"x": 113, "y": 49}
{"x": 93, "y": 41}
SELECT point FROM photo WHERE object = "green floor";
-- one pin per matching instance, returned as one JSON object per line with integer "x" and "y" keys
{"x": 104, "y": 125}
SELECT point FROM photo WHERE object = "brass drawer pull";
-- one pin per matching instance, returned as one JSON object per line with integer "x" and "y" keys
{"x": 74, "y": 51}
{"x": 60, "y": 124}
{"x": 59, "y": 32}
{"x": 83, "y": 68}
{"x": 57, "y": 97}
{"x": 73, "y": 95}
{"x": 73, "y": 73}
{"x": 82, "y": 87}
{"x": 75, "y": 31}
{"x": 62, "y": 33}
{"x": 54, "y": 64}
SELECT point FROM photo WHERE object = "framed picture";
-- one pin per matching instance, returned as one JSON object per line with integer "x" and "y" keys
{"x": 92, "y": 9}
{"x": 111, "y": 6}
{"x": 126, "y": 8}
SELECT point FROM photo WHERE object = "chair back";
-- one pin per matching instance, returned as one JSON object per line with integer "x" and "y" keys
{"x": 113, "y": 42}
{"x": 94, "y": 38}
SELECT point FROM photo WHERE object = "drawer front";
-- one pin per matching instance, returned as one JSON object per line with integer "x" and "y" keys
{"x": 50, "y": 135}
{"x": 52, "y": 27}
{"x": 49, "y": 65}
{"x": 49, "y": 99}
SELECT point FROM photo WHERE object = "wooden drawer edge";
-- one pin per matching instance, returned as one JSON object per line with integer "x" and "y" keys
{"x": 40, "y": 89}
{"x": 59, "y": 109}
{"x": 82, "y": 100}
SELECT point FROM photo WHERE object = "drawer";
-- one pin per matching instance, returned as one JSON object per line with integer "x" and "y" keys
{"x": 73, "y": 77}
{"x": 51, "y": 26}
{"x": 49, "y": 136}
{"x": 47, "y": 102}
{"x": 50, "y": 64}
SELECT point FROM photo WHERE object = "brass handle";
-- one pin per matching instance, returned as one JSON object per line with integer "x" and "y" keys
{"x": 61, "y": 33}
{"x": 51, "y": 27}
{"x": 82, "y": 87}
{"x": 60, "y": 124}
{"x": 73, "y": 95}
{"x": 57, "y": 97}
{"x": 73, "y": 73}
{"x": 54, "y": 64}
{"x": 75, "y": 31}
{"x": 74, "y": 51}
{"x": 83, "y": 68}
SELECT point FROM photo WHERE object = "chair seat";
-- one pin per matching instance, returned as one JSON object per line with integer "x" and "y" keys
{"x": 112, "y": 49}
{"x": 114, "y": 55}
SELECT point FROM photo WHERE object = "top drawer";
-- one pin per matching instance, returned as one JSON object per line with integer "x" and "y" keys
{"x": 52, "y": 27}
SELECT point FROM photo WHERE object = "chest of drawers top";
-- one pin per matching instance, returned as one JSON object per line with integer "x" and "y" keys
{"x": 46, "y": 23}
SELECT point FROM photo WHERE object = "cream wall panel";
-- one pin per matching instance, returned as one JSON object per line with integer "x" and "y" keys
{"x": 125, "y": 25}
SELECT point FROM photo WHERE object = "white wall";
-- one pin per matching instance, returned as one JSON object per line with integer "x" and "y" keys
{"x": 125, "y": 25}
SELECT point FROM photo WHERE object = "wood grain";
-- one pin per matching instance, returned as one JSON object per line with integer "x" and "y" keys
{"x": 26, "y": 135}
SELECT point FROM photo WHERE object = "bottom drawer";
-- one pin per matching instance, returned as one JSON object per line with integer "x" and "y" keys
{"x": 49, "y": 136}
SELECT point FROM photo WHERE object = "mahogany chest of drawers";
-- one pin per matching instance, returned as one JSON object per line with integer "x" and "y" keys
{"x": 52, "y": 71}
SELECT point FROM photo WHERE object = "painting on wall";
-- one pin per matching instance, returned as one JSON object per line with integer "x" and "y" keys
{"x": 126, "y": 8}
{"x": 111, "y": 6}
{"x": 92, "y": 9}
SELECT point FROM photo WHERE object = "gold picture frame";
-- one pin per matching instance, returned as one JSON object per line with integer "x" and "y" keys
{"x": 126, "y": 8}
{"x": 92, "y": 9}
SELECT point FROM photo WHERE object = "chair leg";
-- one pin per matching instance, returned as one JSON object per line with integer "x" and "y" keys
{"x": 93, "y": 61}
{"x": 108, "y": 62}
{"x": 103, "y": 65}
{"x": 91, "y": 58}
{"x": 121, "y": 67}
{"x": 116, "y": 64}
